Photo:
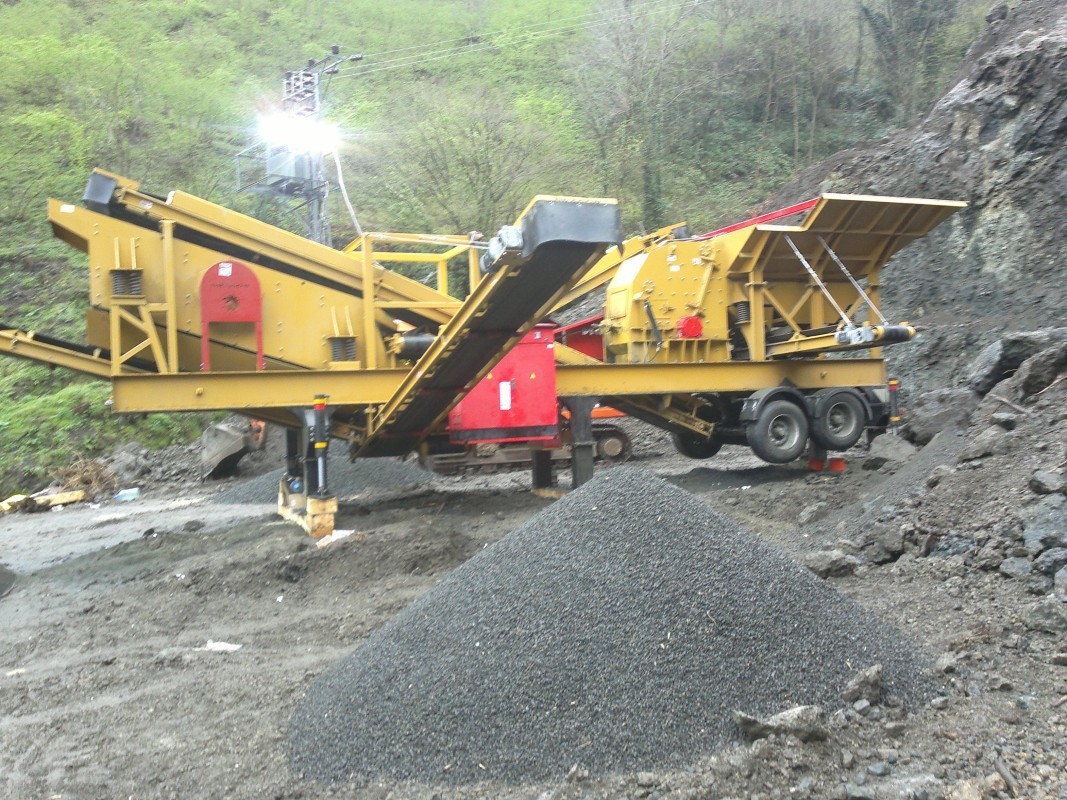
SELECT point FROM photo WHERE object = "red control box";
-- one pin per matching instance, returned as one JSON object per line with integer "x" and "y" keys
{"x": 516, "y": 401}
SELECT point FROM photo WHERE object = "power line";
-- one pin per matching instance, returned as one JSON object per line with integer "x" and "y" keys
{"x": 529, "y": 28}
{"x": 437, "y": 55}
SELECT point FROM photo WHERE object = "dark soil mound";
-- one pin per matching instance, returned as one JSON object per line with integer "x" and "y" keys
{"x": 617, "y": 629}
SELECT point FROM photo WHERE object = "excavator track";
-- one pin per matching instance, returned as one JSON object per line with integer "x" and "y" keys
{"x": 613, "y": 446}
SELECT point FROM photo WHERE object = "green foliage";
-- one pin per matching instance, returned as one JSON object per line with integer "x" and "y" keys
{"x": 42, "y": 431}
{"x": 916, "y": 43}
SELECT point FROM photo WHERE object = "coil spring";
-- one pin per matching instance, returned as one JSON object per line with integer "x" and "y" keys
{"x": 744, "y": 311}
{"x": 126, "y": 282}
{"x": 343, "y": 348}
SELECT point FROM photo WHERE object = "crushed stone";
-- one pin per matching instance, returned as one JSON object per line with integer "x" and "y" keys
{"x": 618, "y": 630}
{"x": 346, "y": 479}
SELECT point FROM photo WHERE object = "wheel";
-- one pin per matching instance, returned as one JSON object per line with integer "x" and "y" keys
{"x": 780, "y": 433}
{"x": 612, "y": 444}
{"x": 695, "y": 447}
{"x": 839, "y": 422}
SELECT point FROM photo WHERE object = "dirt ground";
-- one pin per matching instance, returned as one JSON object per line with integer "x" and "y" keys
{"x": 113, "y": 682}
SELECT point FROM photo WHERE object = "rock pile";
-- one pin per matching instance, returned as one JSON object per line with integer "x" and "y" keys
{"x": 1015, "y": 448}
{"x": 346, "y": 479}
{"x": 618, "y": 629}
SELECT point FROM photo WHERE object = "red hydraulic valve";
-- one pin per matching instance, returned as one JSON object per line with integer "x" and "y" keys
{"x": 690, "y": 328}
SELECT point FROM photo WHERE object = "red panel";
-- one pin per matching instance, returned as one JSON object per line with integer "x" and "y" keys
{"x": 229, "y": 292}
{"x": 583, "y": 337}
{"x": 516, "y": 401}
{"x": 591, "y": 344}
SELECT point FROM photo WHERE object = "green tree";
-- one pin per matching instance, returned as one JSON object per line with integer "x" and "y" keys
{"x": 907, "y": 37}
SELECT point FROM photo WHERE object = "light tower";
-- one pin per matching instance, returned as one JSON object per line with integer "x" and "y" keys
{"x": 288, "y": 158}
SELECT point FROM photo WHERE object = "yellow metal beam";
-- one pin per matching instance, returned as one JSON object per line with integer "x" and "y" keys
{"x": 23, "y": 344}
{"x": 730, "y": 376}
{"x": 240, "y": 391}
{"x": 244, "y": 391}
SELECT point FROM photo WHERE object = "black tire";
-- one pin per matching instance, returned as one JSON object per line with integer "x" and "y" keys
{"x": 695, "y": 447}
{"x": 780, "y": 433}
{"x": 612, "y": 444}
{"x": 839, "y": 422}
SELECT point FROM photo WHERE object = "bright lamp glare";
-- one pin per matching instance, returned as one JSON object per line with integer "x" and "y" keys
{"x": 299, "y": 134}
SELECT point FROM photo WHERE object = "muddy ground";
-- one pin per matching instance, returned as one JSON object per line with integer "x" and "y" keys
{"x": 110, "y": 687}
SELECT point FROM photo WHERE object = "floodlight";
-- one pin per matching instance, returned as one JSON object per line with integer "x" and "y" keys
{"x": 298, "y": 134}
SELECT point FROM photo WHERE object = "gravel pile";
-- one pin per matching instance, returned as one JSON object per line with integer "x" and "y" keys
{"x": 618, "y": 629}
{"x": 346, "y": 478}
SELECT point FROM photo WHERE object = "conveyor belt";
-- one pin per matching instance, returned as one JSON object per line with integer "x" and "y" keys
{"x": 34, "y": 346}
{"x": 561, "y": 238}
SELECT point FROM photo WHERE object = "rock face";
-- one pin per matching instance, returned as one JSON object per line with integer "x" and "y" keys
{"x": 995, "y": 139}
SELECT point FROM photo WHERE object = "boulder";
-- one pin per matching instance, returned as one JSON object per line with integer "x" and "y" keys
{"x": 938, "y": 474}
{"x": 812, "y": 513}
{"x": 1005, "y": 419}
{"x": 807, "y": 723}
{"x": 1051, "y": 561}
{"x": 1003, "y": 357}
{"x": 1040, "y": 370}
{"x": 867, "y": 685}
{"x": 1017, "y": 568}
{"x": 885, "y": 543}
{"x": 831, "y": 563}
{"x": 1059, "y": 584}
{"x": 1039, "y": 584}
{"x": 939, "y": 410}
{"x": 993, "y": 441}
{"x": 888, "y": 449}
{"x": 1045, "y": 482}
{"x": 1045, "y": 524}
{"x": 1048, "y": 615}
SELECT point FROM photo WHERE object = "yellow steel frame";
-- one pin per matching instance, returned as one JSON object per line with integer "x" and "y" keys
{"x": 757, "y": 264}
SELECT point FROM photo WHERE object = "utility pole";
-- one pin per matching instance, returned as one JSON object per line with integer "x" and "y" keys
{"x": 289, "y": 159}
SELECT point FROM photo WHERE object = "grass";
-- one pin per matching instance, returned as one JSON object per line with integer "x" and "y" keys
{"x": 44, "y": 432}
